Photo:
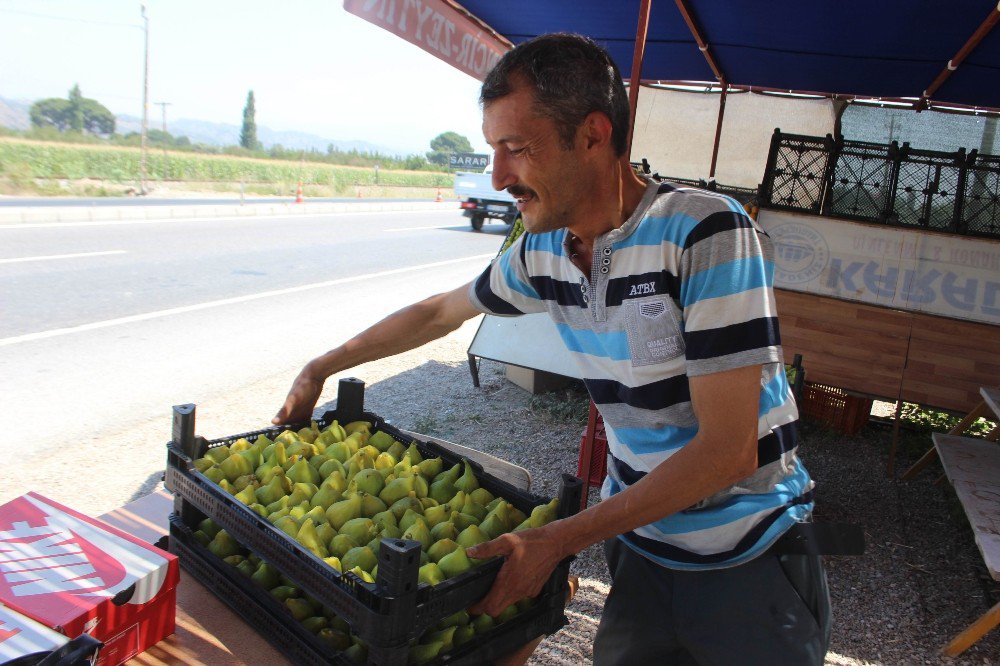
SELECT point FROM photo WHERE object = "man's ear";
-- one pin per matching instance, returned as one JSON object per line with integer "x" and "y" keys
{"x": 596, "y": 130}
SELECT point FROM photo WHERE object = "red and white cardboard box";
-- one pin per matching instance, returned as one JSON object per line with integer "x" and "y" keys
{"x": 78, "y": 575}
{"x": 21, "y": 636}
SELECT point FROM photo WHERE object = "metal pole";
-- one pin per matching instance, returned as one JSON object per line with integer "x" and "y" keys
{"x": 145, "y": 102}
{"x": 637, "y": 56}
{"x": 163, "y": 108}
{"x": 718, "y": 130}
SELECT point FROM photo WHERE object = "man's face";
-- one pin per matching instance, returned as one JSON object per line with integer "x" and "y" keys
{"x": 531, "y": 162}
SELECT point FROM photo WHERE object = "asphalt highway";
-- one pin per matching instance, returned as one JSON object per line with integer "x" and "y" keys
{"x": 105, "y": 326}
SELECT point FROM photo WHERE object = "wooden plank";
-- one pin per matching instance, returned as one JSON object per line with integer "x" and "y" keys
{"x": 973, "y": 467}
{"x": 991, "y": 396}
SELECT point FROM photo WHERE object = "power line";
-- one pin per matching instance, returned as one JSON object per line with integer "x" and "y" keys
{"x": 71, "y": 20}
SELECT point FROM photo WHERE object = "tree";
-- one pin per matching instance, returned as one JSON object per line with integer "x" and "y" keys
{"x": 77, "y": 114}
{"x": 248, "y": 134}
{"x": 51, "y": 112}
{"x": 445, "y": 144}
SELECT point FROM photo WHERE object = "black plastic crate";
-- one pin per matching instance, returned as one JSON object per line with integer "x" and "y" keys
{"x": 393, "y": 610}
{"x": 267, "y": 616}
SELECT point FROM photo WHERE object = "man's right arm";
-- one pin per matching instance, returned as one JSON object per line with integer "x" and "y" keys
{"x": 401, "y": 331}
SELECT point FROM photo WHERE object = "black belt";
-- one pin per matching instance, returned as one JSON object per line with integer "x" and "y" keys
{"x": 821, "y": 539}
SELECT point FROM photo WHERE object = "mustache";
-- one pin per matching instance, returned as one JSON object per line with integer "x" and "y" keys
{"x": 519, "y": 191}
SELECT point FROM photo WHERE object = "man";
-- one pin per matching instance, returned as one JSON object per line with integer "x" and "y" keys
{"x": 663, "y": 296}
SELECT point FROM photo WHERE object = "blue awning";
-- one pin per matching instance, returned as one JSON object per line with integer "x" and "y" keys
{"x": 864, "y": 48}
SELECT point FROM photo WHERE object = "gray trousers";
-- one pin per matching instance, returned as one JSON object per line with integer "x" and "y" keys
{"x": 773, "y": 610}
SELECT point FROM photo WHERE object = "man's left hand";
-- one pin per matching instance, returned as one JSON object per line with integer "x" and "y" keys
{"x": 530, "y": 554}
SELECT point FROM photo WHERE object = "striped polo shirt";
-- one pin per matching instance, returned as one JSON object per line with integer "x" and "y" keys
{"x": 682, "y": 289}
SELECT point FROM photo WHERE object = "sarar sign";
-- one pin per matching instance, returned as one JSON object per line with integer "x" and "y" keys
{"x": 469, "y": 161}
{"x": 439, "y": 28}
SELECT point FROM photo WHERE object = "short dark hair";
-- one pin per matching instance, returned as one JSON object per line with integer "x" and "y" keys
{"x": 571, "y": 76}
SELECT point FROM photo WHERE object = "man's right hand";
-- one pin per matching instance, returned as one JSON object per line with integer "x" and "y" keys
{"x": 301, "y": 400}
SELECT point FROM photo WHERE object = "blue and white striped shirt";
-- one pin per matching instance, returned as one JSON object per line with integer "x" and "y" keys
{"x": 683, "y": 288}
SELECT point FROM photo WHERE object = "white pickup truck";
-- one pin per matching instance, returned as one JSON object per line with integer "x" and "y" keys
{"x": 480, "y": 201}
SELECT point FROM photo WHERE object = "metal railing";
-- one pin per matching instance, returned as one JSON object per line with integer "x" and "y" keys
{"x": 885, "y": 183}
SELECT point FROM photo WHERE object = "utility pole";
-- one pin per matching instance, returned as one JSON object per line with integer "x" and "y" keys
{"x": 145, "y": 101}
{"x": 163, "y": 107}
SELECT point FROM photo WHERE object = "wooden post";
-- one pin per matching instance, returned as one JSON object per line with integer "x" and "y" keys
{"x": 718, "y": 129}
{"x": 638, "y": 53}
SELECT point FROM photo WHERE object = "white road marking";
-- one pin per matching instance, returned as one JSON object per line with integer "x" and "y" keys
{"x": 41, "y": 335}
{"x": 61, "y": 256}
{"x": 220, "y": 218}
{"x": 439, "y": 226}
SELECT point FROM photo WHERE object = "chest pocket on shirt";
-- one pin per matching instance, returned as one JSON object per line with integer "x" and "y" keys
{"x": 652, "y": 324}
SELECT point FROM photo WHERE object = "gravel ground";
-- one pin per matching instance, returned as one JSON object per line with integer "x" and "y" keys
{"x": 921, "y": 581}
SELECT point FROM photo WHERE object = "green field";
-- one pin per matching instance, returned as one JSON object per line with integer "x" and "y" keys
{"x": 23, "y": 162}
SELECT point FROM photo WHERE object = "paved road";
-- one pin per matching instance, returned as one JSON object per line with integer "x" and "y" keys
{"x": 54, "y": 202}
{"x": 104, "y": 327}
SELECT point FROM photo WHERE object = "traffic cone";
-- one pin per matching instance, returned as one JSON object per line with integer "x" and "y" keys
{"x": 298, "y": 193}
{"x": 438, "y": 199}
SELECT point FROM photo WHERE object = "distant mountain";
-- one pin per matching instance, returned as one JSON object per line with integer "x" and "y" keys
{"x": 14, "y": 113}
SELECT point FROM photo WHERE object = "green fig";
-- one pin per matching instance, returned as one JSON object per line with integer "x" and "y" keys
{"x": 430, "y": 574}
{"x": 420, "y": 485}
{"x": 454, "y": 563}
{"x": 344, "y": 510}
{"x": 371, "y": 505}
{"x": 544, "y": 514}
{"x": 356, "y": 654}
{"x": 468, "y": 481}
{"x": 334, "y": 562}
{"x": 436, "y": 514}
{"x": 218, "y": 453}
{"x": 339, "y": 451}
{"x": 300, "y": 608}
{"x": 259, "y": 509}
{"x": 396, "y": 490}
{"x": 463, "y": 520}
{"x": 445, "y": 636}
{"x": 270, "y": 493}
{"x": 215, "y": 474}
{"x": 336, "y": 431}
{"x": 381, "y": 440}
{"x": 370, "y": 451}
{"x": 362, "y": 556}
{"x": 368, "y": 481}
{"x": 430, "y": 467}
{"x": 283, "y": 503}
{"x": 341, "y": 544}
{"x": 303, "y": 472}
{"x": 507, "y": 614}
{"x": 515, "y": 516}
{"x": 410, "y": 517}
{"x": 384, "y": 519}
{"x": 473, "y": 509}
{"x": 337, "y": 640}
{"x": 316, "y": 514}
{"x": 463, "y": 634}
{"x": 225, "y": 485}
{"x": 223, "y": 545}
{"x": 315, "y": 624}
{"x": 331, "y": 466}
{"x": 246, "y": 495}
{"x": 302, "y": 492}
{"x": 287, "y": 437}
{"x": 418, "y": 532}
{"x": 424, "y": 652}
{"x": 428, "y": 503}
{"x": 266, "y": 576}
{"x": 445, "y": 530}
{"x": 327, "y": 494}
{"x": 361, "y": 530}
{"x": 397, "y": 450}
{"x": 325, "y": 531}
{"x": 457, "y": 619}
{"x": 471, "y": 536}
{"x": 414, "y": 454}
{"x": 318, "y": 461}
{"x": 482, "y": 623}
{"x": 442, "y": 491}
{"x": 492, "y": 526}
{"x": 457, "y": 501}
{"x": 234, "y": 560}
{"x": 482, "y": 497}
{"x": 235, "y": 466}
{"x": 288, "y": 525}
{"x": 390, "y": 532}
{"x": 201, "y": 537}
{"x": 201, "y": 464}
{"x": 209, "y": 527}
{"x": 358, "y": 426}
{"x": 441, "y": 548}
{"x": 284, "y": 592}
{"x": 399, "y": 507}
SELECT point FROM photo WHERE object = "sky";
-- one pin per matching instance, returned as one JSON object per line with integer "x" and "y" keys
{"x": 313, "y": 67}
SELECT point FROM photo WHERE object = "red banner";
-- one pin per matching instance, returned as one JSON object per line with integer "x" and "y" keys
{"x": 437, "y": 27}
